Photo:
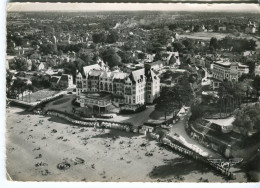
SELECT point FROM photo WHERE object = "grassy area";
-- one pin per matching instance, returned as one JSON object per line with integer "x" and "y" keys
{"x": 158, "y": 115}
{"x": 204, "y": 35}
{"x": 39, "y": 95}
{"x": 63, "y": 105}
{"x": 61, "y": 101}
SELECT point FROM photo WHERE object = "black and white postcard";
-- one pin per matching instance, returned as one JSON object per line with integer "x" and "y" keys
{"x": 132, "y": 92}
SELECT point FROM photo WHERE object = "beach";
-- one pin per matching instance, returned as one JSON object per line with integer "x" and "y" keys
{"x": 44, "y": 148}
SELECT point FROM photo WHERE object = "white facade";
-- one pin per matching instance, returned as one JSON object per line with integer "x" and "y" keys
{"x": 138, "y": 87}
{"x": 225, "y": 70}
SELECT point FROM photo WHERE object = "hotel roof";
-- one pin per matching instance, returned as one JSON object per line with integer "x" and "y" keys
{"x": 223, "y": 63}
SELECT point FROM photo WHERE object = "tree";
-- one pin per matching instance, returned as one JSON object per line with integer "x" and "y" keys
{"x": 49, "y": 49}
{"x": 19, "y": 85}
{"x": 184, "y": 90}
{"x": 189, "y": 44}
{"x": 196, "y": 112}
{"x": 9, "y": 80}
{"x": 160, "y": 36}
{"x": 19, "y": 64}
{"x": 85, "y": 57}
{"x": 112, "y": 37}
{"x": 247, "y": 119}
{"x": 169, "y": 48}
{"x": 213, "y": 43}
{"x": 99, "y": 37}
{"x": 34, "y": 66}
{"x": 178, "y": 46}
{"x": 111, "y": 57}
{"x": 126, "y": 57}
{"x": 251, "y": 64}
{"x": 256, "y": 83}
{"x": 197, "y": 28}
{"x": 40, "y": 81}
{"x": 167, "y": 101}
{"x": 230, "y": 95}
{"x": 141, "y": 55}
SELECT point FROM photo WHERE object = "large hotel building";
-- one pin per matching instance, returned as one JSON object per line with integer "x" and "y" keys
{"x": 98, "y": 87}
{"x": 225, "y": 70}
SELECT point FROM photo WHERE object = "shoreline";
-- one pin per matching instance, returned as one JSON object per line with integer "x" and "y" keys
{"x": 29, "y": 135}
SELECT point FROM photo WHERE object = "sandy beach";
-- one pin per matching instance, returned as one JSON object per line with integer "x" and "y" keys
{"x": 40, "y": 148}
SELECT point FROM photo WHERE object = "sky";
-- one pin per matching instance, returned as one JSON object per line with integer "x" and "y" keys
{"x": 130, "y": 6}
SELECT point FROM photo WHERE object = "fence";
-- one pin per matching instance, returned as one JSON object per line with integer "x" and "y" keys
{"x": 49, "y": 99}
{"x": 91, "y": 123}
{"x": 20, "y": 103}
{"x": 31, "y": 106}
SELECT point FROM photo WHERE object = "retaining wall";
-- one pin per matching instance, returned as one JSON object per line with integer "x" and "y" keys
{"x": 20, "y": 103}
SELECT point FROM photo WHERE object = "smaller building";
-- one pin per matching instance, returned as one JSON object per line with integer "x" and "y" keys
{"x": 40, "y": 66}
{"x": 226, "y": 70}
{"x": 251, "y": 28}
{"x": 222, "y": 28}
{"x": 257, "y": 70}
{"x": 97, "y": 101}
{"x": 156, "y": 65}
{"x": 61, "y": 81}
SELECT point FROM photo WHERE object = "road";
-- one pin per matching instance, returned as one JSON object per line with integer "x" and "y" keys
{"x": 141, "y": 117}
{"x": 205, "y": 80}
{"x": 179, "y": 128}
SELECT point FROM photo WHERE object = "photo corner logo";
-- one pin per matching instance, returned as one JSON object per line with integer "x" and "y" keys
{"x": 226, "y": 164}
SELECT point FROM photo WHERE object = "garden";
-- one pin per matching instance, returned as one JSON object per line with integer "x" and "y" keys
{"x": 39, "y": 95}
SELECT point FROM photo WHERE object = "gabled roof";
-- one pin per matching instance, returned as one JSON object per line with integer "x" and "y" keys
{"x": 90, "y": 67}
{"x": 137, "y": 75}
{"x": 94, "y": 72}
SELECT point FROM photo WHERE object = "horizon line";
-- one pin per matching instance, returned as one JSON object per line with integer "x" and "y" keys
{"x": 104, "y": 7}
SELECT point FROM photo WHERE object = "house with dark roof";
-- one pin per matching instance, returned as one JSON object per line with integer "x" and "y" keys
{"x": 61, "y": 81}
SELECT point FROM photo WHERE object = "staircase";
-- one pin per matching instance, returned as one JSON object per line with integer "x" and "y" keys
{"x": 206, "y": 128}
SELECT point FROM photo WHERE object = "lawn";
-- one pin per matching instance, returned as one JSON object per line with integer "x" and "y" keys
{"x": 204, "y": 35}
{"x": 64, "y": 104}
{"x": 39, "y": 95}
{"x": 61, "y": 101}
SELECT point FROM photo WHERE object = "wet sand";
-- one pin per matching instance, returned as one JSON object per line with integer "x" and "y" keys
{"x": 37, "y": 144}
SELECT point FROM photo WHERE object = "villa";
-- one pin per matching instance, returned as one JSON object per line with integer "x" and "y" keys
{"x": 226, "y": 70}
{"x": 122, "y": 89}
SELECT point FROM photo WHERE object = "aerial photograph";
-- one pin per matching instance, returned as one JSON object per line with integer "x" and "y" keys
{"x": 132, "y": 92}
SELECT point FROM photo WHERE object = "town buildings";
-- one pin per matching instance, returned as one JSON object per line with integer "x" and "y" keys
{"x": 127, "y": 90}
{"x": 226, "y": 70}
